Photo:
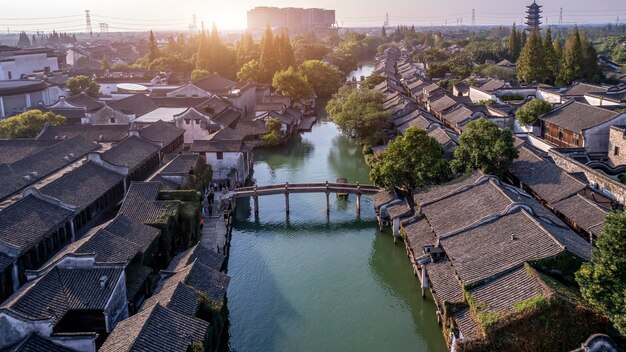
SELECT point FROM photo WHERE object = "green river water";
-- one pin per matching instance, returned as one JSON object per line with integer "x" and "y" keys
{"x": 315, "y": 283}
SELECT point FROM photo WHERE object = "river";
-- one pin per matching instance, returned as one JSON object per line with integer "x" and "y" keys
{"x": 315, "y": 283}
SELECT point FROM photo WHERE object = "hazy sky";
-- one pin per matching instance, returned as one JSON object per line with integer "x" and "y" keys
{"x": 68, "y": 15}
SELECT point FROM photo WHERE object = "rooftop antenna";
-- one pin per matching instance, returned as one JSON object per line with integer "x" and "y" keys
{"x": 88, "y": 23}
{"x": 561, "y": 17}
{"x": 473, "y": 17}
{"x": 387, "y": 19}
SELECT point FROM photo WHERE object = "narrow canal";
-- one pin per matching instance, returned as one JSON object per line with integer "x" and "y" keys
{"x": 315, "y": 283}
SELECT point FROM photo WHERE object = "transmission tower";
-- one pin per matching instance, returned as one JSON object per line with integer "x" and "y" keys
{"x": 193, "y": 26}
{"x": 387, "y": 20}
{"x": 88, "y": 23}
{"x": 561, "y": 17}
{"x": 104, "y": 27}
{"x": 473, "y": 17}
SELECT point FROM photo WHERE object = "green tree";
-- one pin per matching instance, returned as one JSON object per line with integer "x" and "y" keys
{"x": 204, "y": 52}
{"x": 251, "y": 72}
{"x": 551, "y": 59}
{"x": 246, "y": 49}
{"x": 371, "y": 81}
{"x": 410, "y": 161}
{"x": 531, "y": 65}
{"x": 573, "y": 59}
{"x": 83, "y": 84}
{"x": 268, "y": 60}
{"x": 28, "y": 124}
{"x": 528, "y": 114}
{"x": 273, "y": 136}
{"x": 173, "y": 62}
{"x": 105, "y": 65}
{"x": 284, "y": 51}
{"x": 603, "y": 280}
{"x": 196, "y": 74}
{"x": 359, "y": 114}
{"x": 153, "y": 48}
{"x": 304, "y": 50}
{"x": 343, "y": 60}
{"x": 383, "y": 33}
{"x": 514, "y": 44}
{"x": 292, "y": 84}
{"x": 591, "y": 70}
{"x": 325, "y": 79}
{"x": 484, "y": 146}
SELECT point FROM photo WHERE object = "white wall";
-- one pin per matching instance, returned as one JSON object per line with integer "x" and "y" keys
{"x": 597, "y": 138}
{"x": 27, "y": 65}
{"x": 551, "y": 98}
{"x": 221, "y": 168}
{"x": 478, "y": 95}
{"x": 13, "y": 330}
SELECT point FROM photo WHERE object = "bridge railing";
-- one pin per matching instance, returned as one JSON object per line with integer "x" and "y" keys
{"x": 319, "y": 185}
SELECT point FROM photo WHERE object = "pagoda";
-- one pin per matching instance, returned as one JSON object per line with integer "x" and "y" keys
{"x": 533, "y": 17}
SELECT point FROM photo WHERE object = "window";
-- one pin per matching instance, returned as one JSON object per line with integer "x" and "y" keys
{"x": 560, "y": 134}
{"x": 197, "y": 121}
{"x": 46, "y": 70}
{"x": 220, "y": 156}
{"x": 10, "y": 75}
{"x": 187, "y": 122}
{"x": 616, "y": 150}
{"x": 576, "y": 138}
{"x": 112, "y": 120}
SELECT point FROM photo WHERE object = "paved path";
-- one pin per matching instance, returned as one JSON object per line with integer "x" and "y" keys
{"x": 214, "y": 233}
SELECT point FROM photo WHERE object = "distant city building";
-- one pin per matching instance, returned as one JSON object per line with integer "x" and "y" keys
{"x": 533, "y": 17}
{"x": 295, "y": 20}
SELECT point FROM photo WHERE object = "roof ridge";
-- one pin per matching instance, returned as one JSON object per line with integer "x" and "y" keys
{"x": 543, "y": 228}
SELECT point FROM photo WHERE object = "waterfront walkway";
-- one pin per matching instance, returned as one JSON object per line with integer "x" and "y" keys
{"x": 215, "y": 230}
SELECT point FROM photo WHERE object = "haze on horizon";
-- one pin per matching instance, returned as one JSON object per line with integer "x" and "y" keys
{"x": 161, "y": 15}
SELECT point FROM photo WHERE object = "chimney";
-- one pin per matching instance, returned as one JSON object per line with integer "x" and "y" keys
{"x": 103, "y": 281}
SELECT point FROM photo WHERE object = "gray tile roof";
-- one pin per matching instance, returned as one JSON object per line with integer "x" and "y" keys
{"x": 211, "y": 282}
{"x": 198, "y": 253}
{"x": 504, "y": 243}
{"x": 442, "y": 103}
{"x": 60, "y": 290}
{"x": 161, "y": 131}
{"x": 36, "y": 343}
{"x": 181, "y": 164}
{"x": 156, "y": 329}
{"x": 85, "y": 101}
{"x": 444, "y": 282}
{"x": 546, "y": 179}
{"x": 584, "y": 212}
{"x": 27, "y": 222}
{"x": 141, "y": 204}
{"x": 418, "y": 234}
{"x": 12, "y": 150}
{"x": 577, "y": 117}
{"x": 174, "y": 294}
{"x": 83, "y": 185}
{"x": 96, "y": 133}
{"x": 467, "y": 324}
{"x": 501, "y": 295}
{"x": 132, "y": 152}
{"x": 136, "y": 104}
{"x": 16, "y": 176}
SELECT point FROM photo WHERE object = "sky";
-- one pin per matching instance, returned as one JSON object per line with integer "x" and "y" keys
{"x": 126, "y": 15}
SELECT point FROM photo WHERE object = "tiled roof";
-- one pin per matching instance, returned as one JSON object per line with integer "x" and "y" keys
{"x": 18, "y": 175}
{"x": 546, "y": 179}
{"x": 584, "y": 212}
{"x": 215, "y": 83}
{"x": 83, "y": 185}
{"x": 61, "y": 290}
{"x": 168, "y": 102}
{"x": 501, "y": 294}
{"x": 577, "y": 117}
{"x": 156, "y": 329}
{"x": 433, "y": 193}
{"x": 252, "y": 128}
{"x": 458, "y": 115}
{"x": 442, "y": 135}
{"x": 227, "y": 117}
{"x": 444, "y": 282}
{"x": 83, "y": 100}
{"x": 204, "y": 146}
{"x": 131, "y": 152}
{"x": 504, "y": 243}
{"x": 181, "y": 164}
{"x": 96, "y": 133}
{"x": 161, "y": 131}
{"x": 442, "y": 104}
{"x": 467, "y": 324}
{"x": 36, "y": 343}
{"x": 211, "y": 282}
{"x": 383, "y": 197}
{"x": 580, "y": 89}
{"x": 5, "y": 262}
{"x": 198, "y": 253}
{"x": 26, "y": 222}
{"x": 141, "y": 204}
{"x": 12, "y": 150}
{"x": 418, "y": 234}
{"x": 136, "y": 104}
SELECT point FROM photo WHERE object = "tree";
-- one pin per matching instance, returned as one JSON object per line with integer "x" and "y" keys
{"x": 410, "y": 161}
{"x": 105, "y": 65}
{"x": 303, "y": 51}
{"x": 528, "y": 114}
{"x": 573, "y": 59}
{"x": 28, "y": 124}
{"x": 531, "y": 65}
{"x": 371, "y": 81}
{"x": 514, "y": 45}
{"x": 23, "y": 40}
{"x": 292, "y": 84}
{"x": 325, "y": 79}
{"x": 82, "y": 84}
{"x": 343, "y": 60}
{"x": 268, "y": 60}
{"x": 196, "y": 74}
{"x": 551, "y": 59}
{"x": 484, "y": 146}
{"x": 251, "y": 72}
{"x": 591, "y": 69}
{"x": 246, "y": 49}
{"x": 284, "y": 51}
{"x": 274, "y": 136}
{"x": 383, "y": 33}
{"x": 359, "y": 114}
{"x": 603, "y": 280}
{"x": 153, "y": 48}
